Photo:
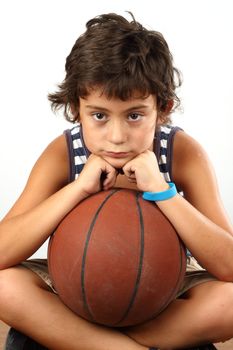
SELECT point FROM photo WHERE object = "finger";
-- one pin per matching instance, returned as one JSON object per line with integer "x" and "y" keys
{"x": 132, "y": 175}
{"x": 110, "y": 178}
{"x": 103, "y": 178}
{"x": 132, "y": 180}
{"x": 109, "y": 183}
{"x": 129, "y": 173}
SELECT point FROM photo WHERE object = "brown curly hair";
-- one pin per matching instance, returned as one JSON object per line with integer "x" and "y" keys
{"x": 122, "y": 58}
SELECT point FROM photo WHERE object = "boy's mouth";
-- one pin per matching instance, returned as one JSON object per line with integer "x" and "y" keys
{"x": 117, "y": 154}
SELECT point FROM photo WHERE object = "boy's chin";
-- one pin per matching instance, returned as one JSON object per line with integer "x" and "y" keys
{"x": 117, "y": 163}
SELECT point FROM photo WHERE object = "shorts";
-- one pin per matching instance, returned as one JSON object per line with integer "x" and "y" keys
{"x": 194, "y": 275}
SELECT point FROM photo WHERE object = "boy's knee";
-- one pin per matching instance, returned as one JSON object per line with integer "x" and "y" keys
{"x": 11, "y": 285}
{"x": 8, "y": 285}
{"x": 216, "y": 319}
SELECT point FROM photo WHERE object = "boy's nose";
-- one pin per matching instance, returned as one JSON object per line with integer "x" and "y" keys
{"x": 117, "y": 133}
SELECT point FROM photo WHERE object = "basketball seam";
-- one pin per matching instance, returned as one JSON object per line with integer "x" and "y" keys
{"x": 140, "y": 264}
{"x": 85, "y": 302}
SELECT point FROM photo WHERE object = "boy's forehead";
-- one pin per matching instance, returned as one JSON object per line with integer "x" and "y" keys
{"x": 98, "y": 95}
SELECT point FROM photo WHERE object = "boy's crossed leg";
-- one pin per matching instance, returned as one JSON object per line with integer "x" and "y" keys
{"x": 204, "y": 315}
{"x": 27, "y": 304}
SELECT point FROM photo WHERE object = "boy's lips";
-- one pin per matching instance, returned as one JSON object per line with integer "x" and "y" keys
{"x": 117, "y": 154}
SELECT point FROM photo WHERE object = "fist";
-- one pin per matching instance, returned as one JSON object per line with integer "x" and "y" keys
{"x": 144, "y": 171}
{"x": 96, "y": 175}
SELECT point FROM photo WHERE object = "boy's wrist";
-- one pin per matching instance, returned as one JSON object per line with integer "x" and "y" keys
{"x": 157, "y": 187}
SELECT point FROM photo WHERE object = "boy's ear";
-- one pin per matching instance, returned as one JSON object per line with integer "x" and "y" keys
{"x": 169, "y": 106}
{"x": 163, "y": 116}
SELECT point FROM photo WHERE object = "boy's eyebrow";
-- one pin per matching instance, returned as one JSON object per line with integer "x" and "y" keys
{"x": 141, "y": 106}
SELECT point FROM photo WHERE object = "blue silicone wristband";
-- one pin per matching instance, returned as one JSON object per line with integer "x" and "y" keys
{"x": 161, "y": 196}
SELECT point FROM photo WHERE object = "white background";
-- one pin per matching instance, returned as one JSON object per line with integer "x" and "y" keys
{"x": 36, "y": 37}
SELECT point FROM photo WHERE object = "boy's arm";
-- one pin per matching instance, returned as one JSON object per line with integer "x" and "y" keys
{"x": 39, "y": 208}
{"x": 46, "y": 199}
{"x": 194, "y": 174}
{"x": 200, "y": 218}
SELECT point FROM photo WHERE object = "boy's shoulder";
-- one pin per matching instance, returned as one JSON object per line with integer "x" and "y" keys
{"x": 55, "y": 158}
{"x": 190, "y": 160}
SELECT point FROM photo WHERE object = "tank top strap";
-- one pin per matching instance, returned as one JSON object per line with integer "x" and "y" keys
{"x": 163, "y": 148}
{"x": 78, "y": 153}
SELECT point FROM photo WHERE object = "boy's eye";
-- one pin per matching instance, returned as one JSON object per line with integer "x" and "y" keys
{"x": 99, "y": 116}
{"x": 135, "y": 117}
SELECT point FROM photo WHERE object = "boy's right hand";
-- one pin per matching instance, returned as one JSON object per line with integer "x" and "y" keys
{"x": 96, "y": 175}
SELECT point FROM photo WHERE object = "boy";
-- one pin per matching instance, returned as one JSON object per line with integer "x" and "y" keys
{"x": 119, "y": 90}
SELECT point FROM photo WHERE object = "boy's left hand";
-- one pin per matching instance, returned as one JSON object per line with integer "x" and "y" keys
{"x": 144, "y": 171}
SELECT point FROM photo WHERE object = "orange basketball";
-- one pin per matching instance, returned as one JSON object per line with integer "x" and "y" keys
{"x": 116, "y": 260}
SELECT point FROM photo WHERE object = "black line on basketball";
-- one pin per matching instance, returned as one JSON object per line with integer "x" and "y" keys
{"x": 140, "y": 264}
{"x": 88, "y": 237}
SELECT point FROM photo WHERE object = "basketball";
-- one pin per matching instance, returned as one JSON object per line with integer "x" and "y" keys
{"x": 116, "y": 260}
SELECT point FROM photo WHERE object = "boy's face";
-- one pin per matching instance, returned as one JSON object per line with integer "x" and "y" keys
{"x": 118, "y": 130}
